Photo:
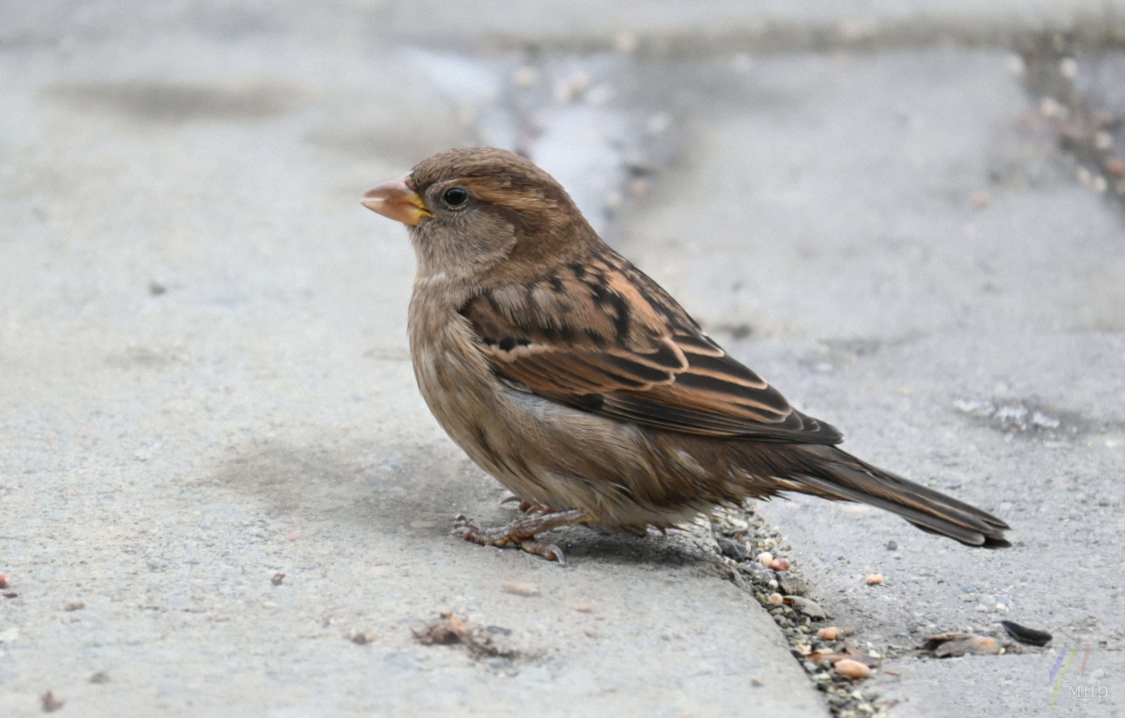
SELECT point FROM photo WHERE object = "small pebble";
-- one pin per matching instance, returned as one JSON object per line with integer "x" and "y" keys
{"x": 962, "y": 644}
{"x": 1068, "y": 67}
{"x": 1016, "y": 65}
{"x": 852, "y": 669}
{"x": 805, "y": 606}
{"x": 3, "y": 581}
{"x": 766, "y": 559}
{"x": 524, "y": 76}
{"x": 874, "y": 579}
{"x": 828, "y": 634}
{"x": 50, "y": 702}
{"x": 791, "y": 583}
{"x": 625, "y": 42}
{"x": 892, "y": 546}
{"x": 780, "y": 564}
{"x": 521, "y": 589}
{"x": 1051, "y": 108}
{"x": 776, "y": 599}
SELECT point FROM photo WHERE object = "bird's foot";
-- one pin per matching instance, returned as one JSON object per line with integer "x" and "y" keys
{"x": 522, "y": 531}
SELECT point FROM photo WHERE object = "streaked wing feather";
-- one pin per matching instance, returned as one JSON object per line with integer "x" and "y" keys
{"x": 655, "y": 368}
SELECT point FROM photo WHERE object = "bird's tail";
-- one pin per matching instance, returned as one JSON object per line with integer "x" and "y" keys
{"x": 835, "y": 474}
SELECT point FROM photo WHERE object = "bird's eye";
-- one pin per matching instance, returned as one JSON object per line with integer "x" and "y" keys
{"x": 455, "y": 196}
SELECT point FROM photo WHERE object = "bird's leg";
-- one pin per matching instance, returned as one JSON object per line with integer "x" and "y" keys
{"x": 522, "y": 531}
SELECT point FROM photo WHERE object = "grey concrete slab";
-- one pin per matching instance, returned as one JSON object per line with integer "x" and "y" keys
{"x": 206, "y": 383}
{"x": 915, "y": 263}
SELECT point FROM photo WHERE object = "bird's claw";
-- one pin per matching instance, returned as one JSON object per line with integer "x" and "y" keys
{"x": 464, "y": 532}
{"x": 527, "y": 506}
{"x": 547, "y": 550}
{"x": 470, "y": 530}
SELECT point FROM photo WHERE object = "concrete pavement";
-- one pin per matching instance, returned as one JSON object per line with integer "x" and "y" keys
{"x": 203, "y": 355}
{"x": 915, "y": 262}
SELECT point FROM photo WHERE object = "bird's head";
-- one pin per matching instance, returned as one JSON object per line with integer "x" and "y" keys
{"x": 478, "y": 210}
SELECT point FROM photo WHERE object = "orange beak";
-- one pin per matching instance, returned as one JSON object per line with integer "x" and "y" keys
{"x": 397, "y": 200}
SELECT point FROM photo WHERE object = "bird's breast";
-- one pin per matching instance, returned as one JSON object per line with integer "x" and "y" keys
{"x": 539, "y": 449}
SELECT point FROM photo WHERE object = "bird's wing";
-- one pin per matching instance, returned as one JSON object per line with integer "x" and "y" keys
{"x": 601, "y": 336}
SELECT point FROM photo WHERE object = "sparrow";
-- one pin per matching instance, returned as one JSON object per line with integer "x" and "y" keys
{"x": 583, "y": 387}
